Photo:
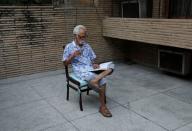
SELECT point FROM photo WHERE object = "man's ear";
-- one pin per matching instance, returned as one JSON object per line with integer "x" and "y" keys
{"x": 75, "y": 35}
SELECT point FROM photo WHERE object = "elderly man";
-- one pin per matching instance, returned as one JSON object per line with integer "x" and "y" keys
{"x": 81, "y": 56}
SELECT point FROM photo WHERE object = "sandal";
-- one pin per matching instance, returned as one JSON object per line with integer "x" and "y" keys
{"x": 105, "y": 112}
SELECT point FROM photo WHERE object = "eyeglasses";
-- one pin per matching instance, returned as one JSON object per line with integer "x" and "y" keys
{"x": 82, "y": 37}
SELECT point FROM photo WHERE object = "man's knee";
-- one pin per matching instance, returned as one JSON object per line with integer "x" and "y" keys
{"x": 110, "y": 71}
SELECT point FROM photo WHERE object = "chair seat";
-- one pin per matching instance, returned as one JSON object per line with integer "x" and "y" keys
{"x": 82, "y": 82}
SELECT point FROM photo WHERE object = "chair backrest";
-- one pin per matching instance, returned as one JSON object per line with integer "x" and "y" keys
{"x": 66, "y": 68}
{"x": 67, "y": 72}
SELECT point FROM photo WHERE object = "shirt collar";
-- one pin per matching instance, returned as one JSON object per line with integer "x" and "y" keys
{"x": 74, "y": 43}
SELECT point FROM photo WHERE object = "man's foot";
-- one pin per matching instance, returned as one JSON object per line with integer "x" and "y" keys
{"x": 105, "y": 111}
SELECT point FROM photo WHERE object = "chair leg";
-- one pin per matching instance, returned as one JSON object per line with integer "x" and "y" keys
{"x": 67, "y": 92}
{"x": 80, "y": 102}
{"x": 88, "y": 90}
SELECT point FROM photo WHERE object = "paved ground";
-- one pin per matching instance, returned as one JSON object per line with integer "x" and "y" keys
{"x": 140, "y": 98}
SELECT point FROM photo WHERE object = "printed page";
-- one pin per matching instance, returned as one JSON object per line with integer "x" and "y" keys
{"x": 103, "y": 66}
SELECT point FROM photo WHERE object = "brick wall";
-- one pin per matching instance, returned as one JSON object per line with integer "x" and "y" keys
{"x": 138, "y": 52}
{"x": 139, "y": 44}
{"x": 167, "y": 32}
{"x": 31, "y": 38}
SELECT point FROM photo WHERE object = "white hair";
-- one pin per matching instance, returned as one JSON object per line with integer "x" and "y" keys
{"x": 77, "y": 29}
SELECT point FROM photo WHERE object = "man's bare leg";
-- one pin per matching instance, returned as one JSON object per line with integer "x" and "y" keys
{"x": 103, "y": 108}
{"x": 102, "y": 96}
{"x": 104, "y": 73}
{"x": 95, "y": 82}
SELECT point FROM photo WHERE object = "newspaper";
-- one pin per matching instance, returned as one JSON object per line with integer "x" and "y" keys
{"x": 104, "y": 66}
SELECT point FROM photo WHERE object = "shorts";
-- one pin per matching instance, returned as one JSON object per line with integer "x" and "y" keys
{"x": 92, "y": 76}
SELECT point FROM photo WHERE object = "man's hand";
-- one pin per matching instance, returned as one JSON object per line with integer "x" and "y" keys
{"x": 95, "y": 66}
{"x": 76, "y": 53}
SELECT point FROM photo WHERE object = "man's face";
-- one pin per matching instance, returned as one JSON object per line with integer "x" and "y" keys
{"x": 81, "y": 37}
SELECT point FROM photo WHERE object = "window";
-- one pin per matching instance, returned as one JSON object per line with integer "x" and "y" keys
{"x": 136, "y": 8}
{"x": 180, "y": 9}
{"x": 174, "y": 61}
{"x": 75, "y": 3}
{"x": 25, "y": 2}
{"x": 130, "y": 9}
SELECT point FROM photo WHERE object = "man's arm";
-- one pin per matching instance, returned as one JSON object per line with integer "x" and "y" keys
{"x": 71, "y": 57}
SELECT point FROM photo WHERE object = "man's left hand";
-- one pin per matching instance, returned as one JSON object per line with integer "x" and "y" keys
{"x": 95, "y": 66}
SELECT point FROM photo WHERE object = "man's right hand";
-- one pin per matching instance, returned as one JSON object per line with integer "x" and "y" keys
{"x": 76, "y": 53}
{"x": 72, "y": 56}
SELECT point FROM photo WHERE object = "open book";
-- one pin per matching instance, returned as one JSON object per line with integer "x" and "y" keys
{"x": 104, "y": 66}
